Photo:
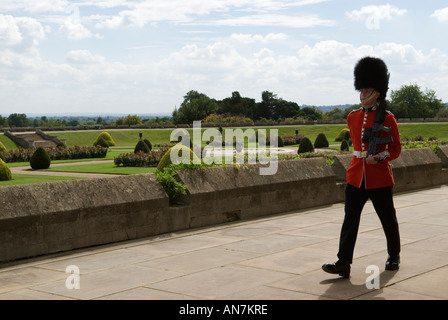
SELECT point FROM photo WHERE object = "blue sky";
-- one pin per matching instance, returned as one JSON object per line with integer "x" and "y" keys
{"x": 133, "y": 57}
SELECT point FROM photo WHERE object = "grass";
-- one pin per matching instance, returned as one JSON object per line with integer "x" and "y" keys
{"x": 103, "y": 168}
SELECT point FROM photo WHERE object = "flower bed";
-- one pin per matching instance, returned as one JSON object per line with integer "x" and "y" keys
{"x": 140, "y": 159}
{"x": 59, "y": 153}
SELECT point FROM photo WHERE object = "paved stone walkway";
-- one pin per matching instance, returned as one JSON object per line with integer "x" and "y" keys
{"x": 272, "y": 258}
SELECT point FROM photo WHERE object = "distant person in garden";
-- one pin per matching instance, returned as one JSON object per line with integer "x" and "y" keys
{"x": 369, "y": 175}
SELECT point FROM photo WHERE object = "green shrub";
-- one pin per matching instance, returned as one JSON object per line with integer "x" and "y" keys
{"x": 101, "y": 142}
{"x": 141, "y": 146}
{"x": 321, "y": 141}
{"x": 5, "y": 172}
{"x": 62, "y": 145}
{"x": 148, "y": 143}
{"x": 2, "y": 147}
{"x": 182, "y": 151}
{"x": 348, "y": 137}
{"x": 305, "y": 146}
{"x": 40, "y": 159}
{"x": 174, "y": 188}
{"x": 106, "y": 136}
{"x": 2, "y": 156}
{"x": 341, "y": 135}
{"x": 345, "y": 145}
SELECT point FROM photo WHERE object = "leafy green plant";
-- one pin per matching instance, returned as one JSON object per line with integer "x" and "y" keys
{"x": 2, "y": 147}
{"x": 172, "y": 186}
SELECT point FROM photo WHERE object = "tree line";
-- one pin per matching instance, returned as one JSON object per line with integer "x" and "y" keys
{"x": 410, "y": 101}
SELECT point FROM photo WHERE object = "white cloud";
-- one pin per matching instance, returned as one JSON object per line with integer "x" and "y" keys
{"x": 34, "y": 6}
{"x": 83, "y": 57}
{"x": 76, "y": 31}
{"x": 441, "y": 14}
{"x": 253, "y": 38}
{"x": 23, "y": 31}
{"x": 383, "y": 12}
{"x": 273, "y": 20}
{"x": 9, "y": 31}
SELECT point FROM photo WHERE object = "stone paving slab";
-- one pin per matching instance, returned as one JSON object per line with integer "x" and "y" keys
{"x": 272, "y": 258}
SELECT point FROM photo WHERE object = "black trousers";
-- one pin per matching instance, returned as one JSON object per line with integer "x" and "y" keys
{"x": 382, "y": 200}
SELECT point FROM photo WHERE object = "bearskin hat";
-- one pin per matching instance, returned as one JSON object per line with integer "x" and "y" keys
{"x": 372, "y": 73}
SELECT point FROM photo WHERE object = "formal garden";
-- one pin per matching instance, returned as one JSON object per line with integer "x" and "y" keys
{"x": 124, "y": 152}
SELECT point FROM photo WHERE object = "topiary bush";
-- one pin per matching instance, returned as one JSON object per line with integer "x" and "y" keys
{"x": 182, "y": 152}
{"x": 106, "y": 136}
{"x": 5, "y": 172}
{"x": 321, "y": 141}
{"x": 141, "y": 146}
{"x": 305, "y": 146}
{"x": 341, "y": 134}
{"x": 2, "y": 147}
{"x": 40, "y": 159}
{"x": 101, "y": 142}
{"x": 345, "y": 145}
{"x": 348, "y": 137}
{"x": 148, "y": 143}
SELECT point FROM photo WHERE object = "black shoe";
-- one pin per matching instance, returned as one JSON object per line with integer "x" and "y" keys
{"x": 339, "y": 267}
{"x": 393, "y": 263}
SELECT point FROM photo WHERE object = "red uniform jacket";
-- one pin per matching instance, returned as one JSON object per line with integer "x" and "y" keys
{"x": 375, "y": 175}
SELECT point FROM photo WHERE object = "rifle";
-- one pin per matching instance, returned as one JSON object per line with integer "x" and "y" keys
{"x": 372, "y": 135}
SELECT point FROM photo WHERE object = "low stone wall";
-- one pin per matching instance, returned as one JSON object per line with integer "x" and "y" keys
{"x": 44, "y": 218}
{"x": 38, "y": 219}
{"x": 226, "y": 193}
{"x": 442, "y": 153}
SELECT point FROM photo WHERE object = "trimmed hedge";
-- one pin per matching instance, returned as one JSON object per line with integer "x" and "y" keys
{"x": 305, "y": 146}
{"x": 182, "y": 151}
{"x": 5, "y": 172}
{"x": 40, "y": 159}
{"x": 107, "y": 137}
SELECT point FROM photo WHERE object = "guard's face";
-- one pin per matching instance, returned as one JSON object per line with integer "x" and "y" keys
{"x": 368, "y": 97}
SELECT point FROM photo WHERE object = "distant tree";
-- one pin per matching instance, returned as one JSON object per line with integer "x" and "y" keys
{"x": 411, "y": 102}
{"x": 237, "y": 106}
{"x": 129, "y": 120}
{"x": 285, "y": 109}
{"x": 311, "y": 113}
{"x": 195, "y": 107}
{"x": 18, "y": 120}
{"x": 335, "y": 114}
{"x": 3, "y": 122}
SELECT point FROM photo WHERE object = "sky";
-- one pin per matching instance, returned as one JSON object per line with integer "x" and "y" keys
{"x": 139, "y": 57}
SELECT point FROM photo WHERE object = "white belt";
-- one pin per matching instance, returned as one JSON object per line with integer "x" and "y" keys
{"x": 360, "y": 154}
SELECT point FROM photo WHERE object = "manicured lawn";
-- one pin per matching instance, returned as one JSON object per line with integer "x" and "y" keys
{"x": 107, "y": 168}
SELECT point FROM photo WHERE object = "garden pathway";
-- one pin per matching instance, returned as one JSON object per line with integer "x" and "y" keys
{"x": 28, "y": 170}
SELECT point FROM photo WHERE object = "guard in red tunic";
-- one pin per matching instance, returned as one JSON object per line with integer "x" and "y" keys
{"x": 376, "y": 141}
